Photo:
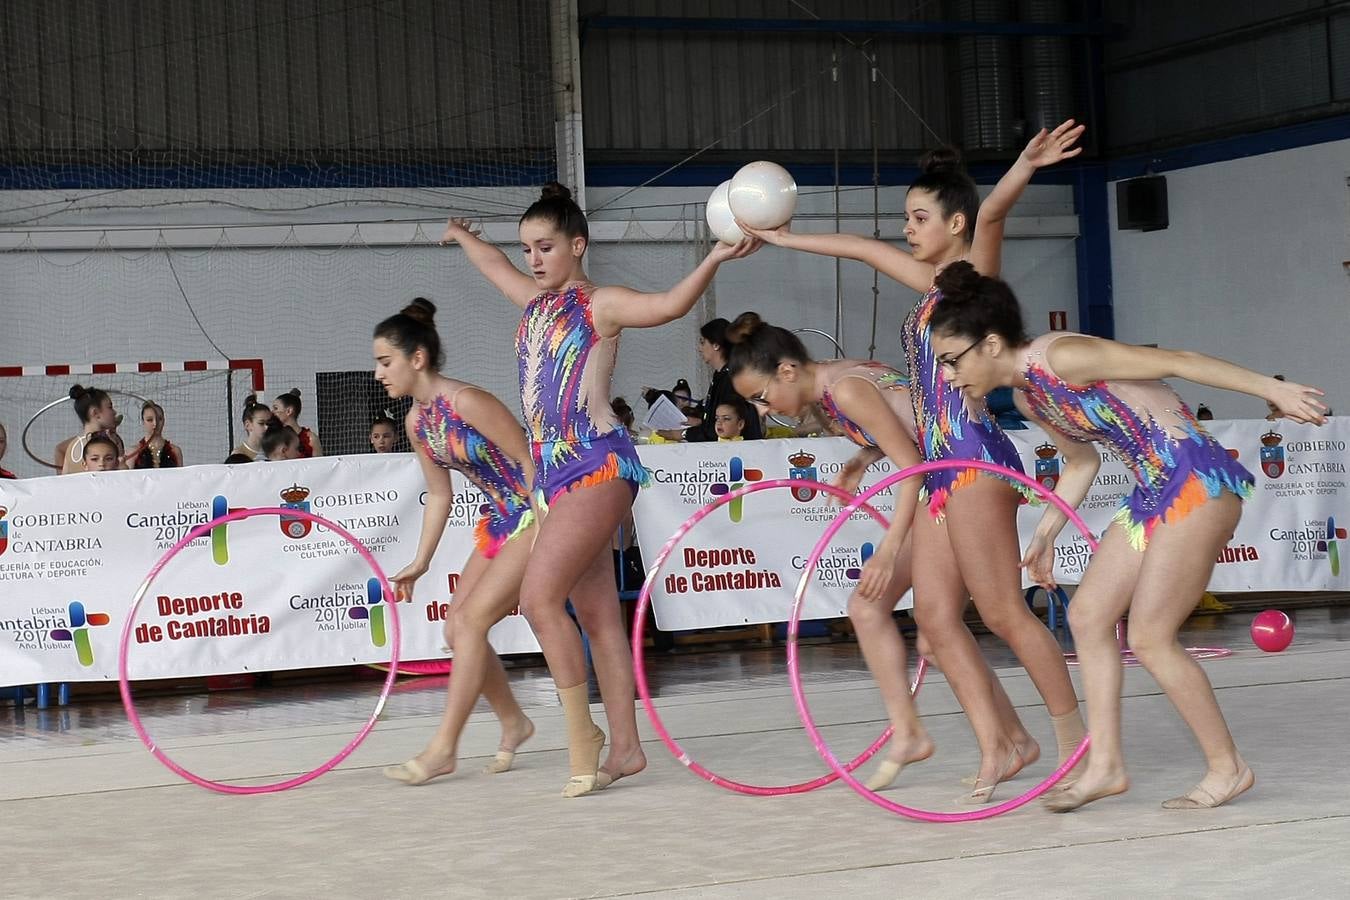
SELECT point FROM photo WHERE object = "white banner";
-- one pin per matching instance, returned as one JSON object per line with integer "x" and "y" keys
{"x": 261, "y": 594}
{"x": 742, "y": 566}
{"x": 265, "y": 595}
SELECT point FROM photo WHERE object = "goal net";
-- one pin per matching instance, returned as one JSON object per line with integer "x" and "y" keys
{"x": 201, "y": 399}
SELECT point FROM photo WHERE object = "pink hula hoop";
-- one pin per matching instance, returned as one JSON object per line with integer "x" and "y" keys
{"x": 124, "y": 683}
{"x": 640, "y": 619}
{"x": 803, "y": 708}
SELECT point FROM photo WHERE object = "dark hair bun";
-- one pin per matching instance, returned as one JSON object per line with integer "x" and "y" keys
{"x": 422, "y": 310}
{"x": 942, "y": 161}
{"x": 744, "y": 327}
{"x": 78, "y": 391}
{"x": 294, "y": 392}
{"x": 958, "y": 277}
{"x": 250, "y": 400}
{"x": 555, "y": 191}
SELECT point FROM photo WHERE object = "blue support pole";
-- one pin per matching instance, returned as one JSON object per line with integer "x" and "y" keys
{"x": 1096, "y": 304}
{"x": 1096, "y": 308}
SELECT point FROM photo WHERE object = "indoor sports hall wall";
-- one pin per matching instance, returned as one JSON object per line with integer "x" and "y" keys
{"x": 1250, "y": 267}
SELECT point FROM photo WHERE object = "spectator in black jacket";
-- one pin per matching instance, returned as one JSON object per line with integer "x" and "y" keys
{"x": 712, "y": 346}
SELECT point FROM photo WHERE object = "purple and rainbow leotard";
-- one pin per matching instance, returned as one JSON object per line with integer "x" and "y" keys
{"x": 1177, "y": 465}
{"x": 949, "y": 426}
{"x": 892, "y": 385}
{"x": 453, "y": 443}
{"x": 565, "y": 371}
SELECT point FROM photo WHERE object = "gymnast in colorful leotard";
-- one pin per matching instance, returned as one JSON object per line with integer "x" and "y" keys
{"x": 969, "y": 544}
{"x": 869, "y": 403}
{"x": 586, "y": 471}
{"x": 1158, "y": 554}
{"x": 453, "y": 425}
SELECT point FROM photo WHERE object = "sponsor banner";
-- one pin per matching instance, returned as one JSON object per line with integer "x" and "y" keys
{"x": 262, "y": 594}
{"x": 277, "y": 593}
{"x": 1291, "y": 535}
{"x": 742, "y": 564}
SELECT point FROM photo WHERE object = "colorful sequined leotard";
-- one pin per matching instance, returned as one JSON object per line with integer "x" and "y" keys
{"x": 893, "y": 386}
{"x": 1177, "y": 465}
{"x": 453, "y": 443}
{"x": 949, "y": 426}
{"x": 565, "y": 370}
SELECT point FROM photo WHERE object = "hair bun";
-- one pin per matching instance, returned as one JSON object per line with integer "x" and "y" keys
{"x": 555, "y": 191}
{"x": 294, "y": 392}
{"x": 744, "y": 327}
{"x": 78, "y": 391}
{"x": 422, "y": 310}
{"x": 958, "y": 277}
{"x": 941, "y": 161}
{"x": 250, "y": 400}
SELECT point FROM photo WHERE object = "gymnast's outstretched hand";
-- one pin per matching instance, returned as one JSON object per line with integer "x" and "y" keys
{"x": 1039, "y": 562}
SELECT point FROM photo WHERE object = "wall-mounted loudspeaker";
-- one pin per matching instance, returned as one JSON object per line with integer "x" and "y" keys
{"x": 1141, "y": 204}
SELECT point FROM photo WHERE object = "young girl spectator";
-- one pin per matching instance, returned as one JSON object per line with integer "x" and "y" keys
{"x": 154, "y": 450}
{"x": 100, "y": 454}
{"x": 255, "y": 420}
{"x": 286, "y": 408}
{"x": 383, "y": 435}
{"x": 95, "y": 410}
{"x": 729, "y": 421}
{"x": 280, "y": 443}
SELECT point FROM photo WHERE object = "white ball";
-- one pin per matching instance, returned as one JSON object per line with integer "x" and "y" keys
{"x": 763, "y": 195}
{"x": 720, "y": 221}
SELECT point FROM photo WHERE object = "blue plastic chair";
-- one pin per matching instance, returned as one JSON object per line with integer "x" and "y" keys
{"x": 43, "y": 692}
{"x": 1056, "y": 607}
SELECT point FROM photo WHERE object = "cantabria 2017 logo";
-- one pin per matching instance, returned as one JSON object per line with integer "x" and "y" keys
{"x": 1330, "y": 545}
{"x": 78, "y": 631}
{"x": 737, "y": 476}
{"x": 864, "y": 554}
{"x": 372, "y": 612}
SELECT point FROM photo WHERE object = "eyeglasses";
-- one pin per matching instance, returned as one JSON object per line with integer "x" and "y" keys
{"x": 951, "y": 361}
{"x": 762, "y": 398}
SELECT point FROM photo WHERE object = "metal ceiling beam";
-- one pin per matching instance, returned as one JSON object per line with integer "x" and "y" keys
{"x": 848, "y": 26}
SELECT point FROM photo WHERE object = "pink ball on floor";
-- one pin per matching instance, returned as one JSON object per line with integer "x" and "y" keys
{"x": 1272, "y": 630}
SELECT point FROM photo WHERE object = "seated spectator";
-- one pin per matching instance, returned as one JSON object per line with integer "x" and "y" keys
{"x": 100, "y": 454}
{"x": 280, "y": 442}
{"x": 154, "y": 450}
{"x": 624, "y": 413}
{"x": 4, "y": 445}
{"x": 255, "y": 418}
{"x": 683, "y": 396}
{"x": 235, "y": 459}
{"x": 383, "y": 435}
{"x": 730, "y": 420}
{"x": 666, "y": 436}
